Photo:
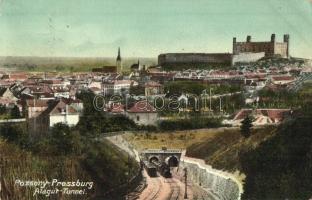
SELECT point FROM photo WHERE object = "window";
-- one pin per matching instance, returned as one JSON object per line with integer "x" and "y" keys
{"x": 138, "y": 118}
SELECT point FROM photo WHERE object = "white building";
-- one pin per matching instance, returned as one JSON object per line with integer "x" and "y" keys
{"x": 117, "y": 87}
{"x": 142, "y": 113}
{"x": 63, "y": 113}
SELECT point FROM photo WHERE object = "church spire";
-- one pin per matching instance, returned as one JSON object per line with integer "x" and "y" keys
{"x": 118, "y": 57}
{"x": 118, "y": 62}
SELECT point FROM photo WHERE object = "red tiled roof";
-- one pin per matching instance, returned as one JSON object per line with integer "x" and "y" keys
{"x": 61, "y": 106}
{"x": 117, "y": 108}
{"x": 18, "y": 76}
{"x": 52, "y": 81}
{"x": 37, "y": 103}
{"x": 40, "y": 89}
{"x": 142, "y": 107}
{"x": 283, "y": 78}
{"x": 274, "y": 114}
{"x": 152, "y": 84}
{"x": 94, "y": 89}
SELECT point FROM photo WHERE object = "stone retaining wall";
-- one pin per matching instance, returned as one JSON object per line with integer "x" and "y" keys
{"x": 224, "y": 185}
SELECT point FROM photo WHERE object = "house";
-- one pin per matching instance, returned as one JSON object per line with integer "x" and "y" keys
{"x": 260, "y": 116}
{"x": 117, "y": 86}
{"x": 34, "y": 107}
{"x": 39, "y": 90}
{"x": 282, "y": 80}
{"x": 17, "y": 77}
{"x": 116, "y": 108}
{"x": 153, "y": 88}
{"x": 96, "y": 84}
{"x": 53, "y": 82}
{"x": 8, "y": 94}
{"x": 63, "y": 113}
{"x": 60, "y": 91}
{"x": 142, "y": 113}
{"x": 95, "y": 90}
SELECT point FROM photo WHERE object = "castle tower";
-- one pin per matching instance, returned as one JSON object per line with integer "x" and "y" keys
{"x": 118, "y": 62}
{"x": 273, "y": 37}
{"x": 286, "y": 40}
{"x": 234, "y": 46}
{"x": 248, "y": 38}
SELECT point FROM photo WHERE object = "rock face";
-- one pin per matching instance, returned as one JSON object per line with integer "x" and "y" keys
{"x": 224, "y": 185}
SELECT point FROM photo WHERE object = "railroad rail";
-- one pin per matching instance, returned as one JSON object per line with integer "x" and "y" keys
{"x": 175, "y": 189}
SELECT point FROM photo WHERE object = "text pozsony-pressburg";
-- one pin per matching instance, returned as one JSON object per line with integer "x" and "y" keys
{"x": 55, "y": 186}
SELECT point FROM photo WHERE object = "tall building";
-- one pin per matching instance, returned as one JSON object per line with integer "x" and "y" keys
{"x": 270, "y": 48}
{"x": 119, "y": 63}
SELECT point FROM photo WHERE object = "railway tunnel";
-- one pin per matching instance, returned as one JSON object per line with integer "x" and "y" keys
{"x": 170, "y": 156}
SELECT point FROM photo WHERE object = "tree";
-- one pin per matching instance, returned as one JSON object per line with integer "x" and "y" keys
{"x": 63, "y": 140}
{"x": 246, "y": 127}
{"x": 15, "y": 112}
{"x": 2, "y": 109}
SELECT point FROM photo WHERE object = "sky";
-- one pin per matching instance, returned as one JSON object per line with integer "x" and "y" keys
{"x": 146, "y": 28}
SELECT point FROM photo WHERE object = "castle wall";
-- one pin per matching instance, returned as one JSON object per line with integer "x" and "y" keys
{"x": 254, "y": 47}
{"x": 271, "y": 48}
{"x": 247, "y": 57}
{"x": 281, "y": 49}
{"x": 194, "y": 58}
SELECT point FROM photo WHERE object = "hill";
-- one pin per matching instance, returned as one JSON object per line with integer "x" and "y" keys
{"x": 223, "y": 150}
{"x": 276, "y": 160}
{"x": 281, "y": 168}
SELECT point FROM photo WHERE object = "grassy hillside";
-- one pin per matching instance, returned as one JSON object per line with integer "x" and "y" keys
{"x": 276, "y": 160}
{"x": 64, "y": 154}
{"x": 222, "y": 151}
{"x": 281, "y": 168}
{"x": 172, "y": 139}
{"x": 19, "y": 164}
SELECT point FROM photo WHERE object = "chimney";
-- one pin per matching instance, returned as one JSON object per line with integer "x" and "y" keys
{"x": 248, "y": 38}
{"x": 273, "y": 37}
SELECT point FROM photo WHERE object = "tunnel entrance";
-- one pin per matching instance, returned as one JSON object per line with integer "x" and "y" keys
{"x": 153, "y": 158}
{"x": 172, "y": 161}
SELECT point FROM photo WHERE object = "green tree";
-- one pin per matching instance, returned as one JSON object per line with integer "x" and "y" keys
{"x": 2, "y": 109}
{"x": 15, "y": 112}
{"x": 63, "y": 140}
{"x": 246, "y": 127}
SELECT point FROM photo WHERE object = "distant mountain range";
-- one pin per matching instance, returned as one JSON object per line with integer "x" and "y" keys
{"x": 74, "y": 63}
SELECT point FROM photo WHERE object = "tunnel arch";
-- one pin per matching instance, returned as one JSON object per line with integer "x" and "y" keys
{"x": 172, "y": 161}
{"x": 153, "y": 158}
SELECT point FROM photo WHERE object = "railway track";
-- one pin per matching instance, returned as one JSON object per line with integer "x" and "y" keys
{"x": 175, "y": 189}
{"x": 155, "y": 193}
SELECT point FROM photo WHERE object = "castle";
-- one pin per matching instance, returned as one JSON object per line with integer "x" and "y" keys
{"x": 270, "y": 48}
{"x": 243, "y": 52}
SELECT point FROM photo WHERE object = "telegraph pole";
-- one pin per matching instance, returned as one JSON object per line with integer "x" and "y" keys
{"x": 220, "y": 105}
{"x": 210, "y": 99}
{"x": 128, "y": 176}
{"x": 185, "y": 176}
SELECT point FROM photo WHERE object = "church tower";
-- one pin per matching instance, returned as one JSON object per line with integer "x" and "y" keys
{"x": 118, "y": 62}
